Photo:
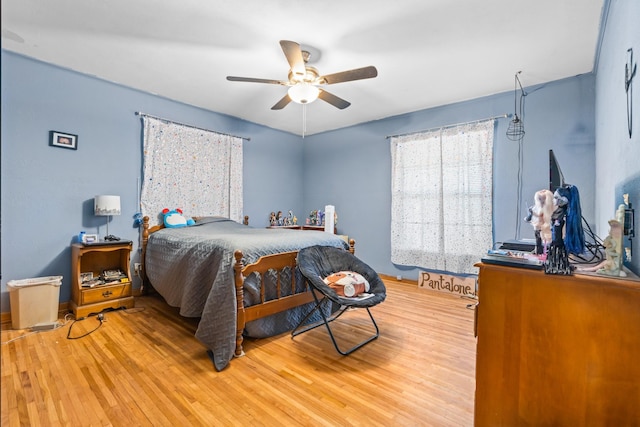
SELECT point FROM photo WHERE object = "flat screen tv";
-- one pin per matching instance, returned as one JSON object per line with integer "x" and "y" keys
{"x": 556, "y": 179}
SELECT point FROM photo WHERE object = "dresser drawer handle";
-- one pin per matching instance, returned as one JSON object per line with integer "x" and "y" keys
{"x": 107, "y": 294}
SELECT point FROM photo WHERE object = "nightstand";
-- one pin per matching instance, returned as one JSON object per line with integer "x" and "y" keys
{"x": 91, "y": 292}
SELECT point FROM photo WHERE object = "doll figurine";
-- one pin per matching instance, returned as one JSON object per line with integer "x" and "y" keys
{"x": 540, "y": 218}
{"x": 567, "y": 232}
{"x": 612, "y": 265}
{"x": 613, "y": 248}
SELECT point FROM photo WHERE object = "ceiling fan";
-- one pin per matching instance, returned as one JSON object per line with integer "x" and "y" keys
{"x": 304, "y": 80}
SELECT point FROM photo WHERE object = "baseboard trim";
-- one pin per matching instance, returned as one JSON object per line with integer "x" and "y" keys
{"x": 404, "y": 281}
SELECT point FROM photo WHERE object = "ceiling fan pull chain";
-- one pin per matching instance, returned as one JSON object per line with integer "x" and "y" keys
{"x": 304, "y": 119}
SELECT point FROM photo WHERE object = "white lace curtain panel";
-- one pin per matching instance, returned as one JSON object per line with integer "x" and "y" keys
{"x": 442, "y": 185}
{"x": 193, "y": 169}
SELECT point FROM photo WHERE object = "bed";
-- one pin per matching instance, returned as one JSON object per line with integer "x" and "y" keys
{"x": 239, "y": 280}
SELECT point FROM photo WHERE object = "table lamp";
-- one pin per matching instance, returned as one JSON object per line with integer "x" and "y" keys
{"x": 107, "y": 206}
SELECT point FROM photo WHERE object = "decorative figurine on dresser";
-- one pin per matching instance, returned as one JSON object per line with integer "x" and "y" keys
{"x": 540, "y": 218}
{"x": 613, "y": 248}
{"x": 313, "y": 218}
{"x": 566, "y": 217}
{"x": 293, "y": 220}
{"x": 279, "y": 220}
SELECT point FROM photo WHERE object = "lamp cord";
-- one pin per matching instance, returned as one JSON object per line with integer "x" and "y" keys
{"x": 69, "y": 337}
{"x": 520, "y": 139}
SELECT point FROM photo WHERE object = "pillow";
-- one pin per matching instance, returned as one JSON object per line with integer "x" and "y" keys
{"x": 347, "y": 283}
{"x": 175, "y": 219}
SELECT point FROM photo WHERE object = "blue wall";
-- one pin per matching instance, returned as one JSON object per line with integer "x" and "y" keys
{"x": 618, "y": 155}
{"x": 351, "y": 168}
{"x": 47, "y": 191}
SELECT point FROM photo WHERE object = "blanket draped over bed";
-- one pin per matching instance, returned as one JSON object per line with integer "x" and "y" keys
{"x": 192, "y": 268}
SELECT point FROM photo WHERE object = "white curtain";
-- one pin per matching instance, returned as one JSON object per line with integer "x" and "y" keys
{"x": 441, "y": 212}
{"x": 193, "y": 169}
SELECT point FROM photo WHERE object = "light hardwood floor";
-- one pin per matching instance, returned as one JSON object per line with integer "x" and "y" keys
{"x": 145, "y": 367}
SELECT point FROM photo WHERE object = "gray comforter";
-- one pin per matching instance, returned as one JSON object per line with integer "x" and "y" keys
{"x": 192, "y": 268}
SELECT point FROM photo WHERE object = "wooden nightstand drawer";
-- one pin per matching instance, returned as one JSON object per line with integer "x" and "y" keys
{"x": 105, "y": 293}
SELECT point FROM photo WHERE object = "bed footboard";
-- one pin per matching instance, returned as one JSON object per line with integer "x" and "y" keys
{"x": 278, "y": 263}
{"x": 284, "y": 300}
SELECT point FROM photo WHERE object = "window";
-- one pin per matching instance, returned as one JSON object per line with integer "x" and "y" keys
{"x": 441, "y": 211}
{"x": 194, "y": 169}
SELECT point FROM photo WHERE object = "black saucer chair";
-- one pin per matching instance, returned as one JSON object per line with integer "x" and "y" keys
{"x": 318, "y": 262}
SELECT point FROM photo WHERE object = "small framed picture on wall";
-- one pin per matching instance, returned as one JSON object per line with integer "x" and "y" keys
{"x": 63, "y": 140}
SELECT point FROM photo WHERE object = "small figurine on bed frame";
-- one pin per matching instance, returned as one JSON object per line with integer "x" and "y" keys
{"x": 566, "y": 217}
{"x": 272, "y": 219}
{"x": 540, "y": 218}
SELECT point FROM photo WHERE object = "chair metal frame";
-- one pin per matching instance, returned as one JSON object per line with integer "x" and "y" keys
{"x": 328, "y": 319}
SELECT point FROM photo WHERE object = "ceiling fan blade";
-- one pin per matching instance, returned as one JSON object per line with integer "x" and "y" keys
{"x": 252, "y": 80}
{"x": 282, "y": 103}
{"x": 333, "y": 100}
{"x": 294, "y": 56}
{"x": 350, "y": 75}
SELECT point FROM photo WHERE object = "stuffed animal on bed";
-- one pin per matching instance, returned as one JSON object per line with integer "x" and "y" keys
{"x": 175, "y": 218}
{"x": 347, "y": 283}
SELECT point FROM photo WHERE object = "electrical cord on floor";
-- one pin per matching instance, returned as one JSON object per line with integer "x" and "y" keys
{"x": 20, "y": 337}
{"x": 100, "y": 317}
{"x": 68, "y": 318}
{"x": 36, "y": 331}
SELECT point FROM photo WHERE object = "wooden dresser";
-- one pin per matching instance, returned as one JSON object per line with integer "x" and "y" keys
{"x": 556, "y": 350}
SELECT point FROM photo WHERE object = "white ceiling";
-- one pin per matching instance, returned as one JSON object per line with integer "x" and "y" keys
{"x": 427, "y": 52}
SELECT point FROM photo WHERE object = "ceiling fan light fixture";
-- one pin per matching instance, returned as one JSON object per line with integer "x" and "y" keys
{"x": 303, "y": 80}
{"x": 303, "y": 93}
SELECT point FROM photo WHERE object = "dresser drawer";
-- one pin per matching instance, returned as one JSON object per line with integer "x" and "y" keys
{"x": 106, "y": 293}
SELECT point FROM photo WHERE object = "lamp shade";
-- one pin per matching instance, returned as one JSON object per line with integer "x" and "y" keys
{"x": 303, "y": 93}
{"x": 106, "y": 205}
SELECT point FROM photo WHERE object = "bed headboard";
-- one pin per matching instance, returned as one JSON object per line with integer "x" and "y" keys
{"x": 147, "y": 230}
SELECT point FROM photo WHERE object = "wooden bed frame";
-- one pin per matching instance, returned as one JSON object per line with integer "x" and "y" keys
{"x": 275, "y": 262}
